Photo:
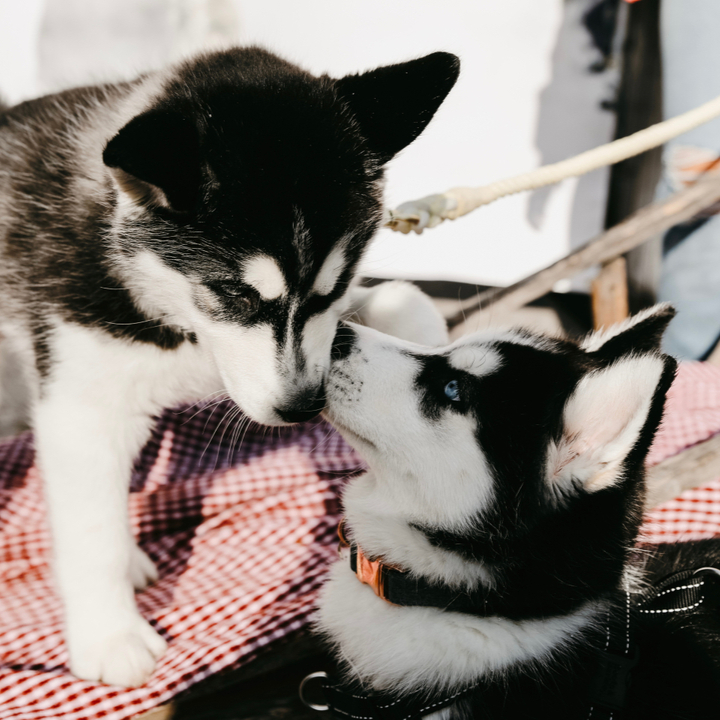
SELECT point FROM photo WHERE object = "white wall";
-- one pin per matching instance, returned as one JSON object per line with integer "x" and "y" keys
{"x": 19, "y": 28}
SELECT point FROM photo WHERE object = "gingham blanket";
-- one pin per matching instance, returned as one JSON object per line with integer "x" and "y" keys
{"x": 242, "y": 530}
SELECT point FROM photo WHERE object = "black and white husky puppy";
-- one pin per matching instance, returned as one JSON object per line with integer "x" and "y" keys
{"x": 495, "y": 531}
{"x": 191, "y": 231}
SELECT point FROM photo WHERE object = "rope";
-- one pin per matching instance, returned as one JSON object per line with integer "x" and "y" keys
{"x": 430, "y": 211}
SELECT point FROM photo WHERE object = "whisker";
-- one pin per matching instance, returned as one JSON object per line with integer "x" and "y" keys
{"x": 227, "y": 419}
{"x": 212, "y": 437}
{"x": 207, "y": 402}
{"x": 235, "y": 441}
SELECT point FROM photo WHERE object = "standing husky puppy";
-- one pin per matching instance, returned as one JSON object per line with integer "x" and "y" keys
{"x": 161, "y": 239}
{"x": 496, "y": 528}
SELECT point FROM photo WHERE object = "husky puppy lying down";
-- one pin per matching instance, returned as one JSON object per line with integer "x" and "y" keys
{"x": 495, "y": 534}
{"x": 191, "y": 232}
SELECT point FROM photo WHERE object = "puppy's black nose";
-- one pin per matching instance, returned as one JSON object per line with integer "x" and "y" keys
{"x": 345, "y": 339}
{"x": 304, "y": 406}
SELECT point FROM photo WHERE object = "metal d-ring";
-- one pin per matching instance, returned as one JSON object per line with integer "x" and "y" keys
{"x": 712, "y": 570}
{"x": 305, "y": 681}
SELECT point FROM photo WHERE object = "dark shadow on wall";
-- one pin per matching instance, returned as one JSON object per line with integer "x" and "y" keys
{"x": 573, "y": 115}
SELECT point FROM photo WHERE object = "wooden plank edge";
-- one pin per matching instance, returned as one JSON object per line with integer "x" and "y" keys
{"x": 639, "y": 227}
{"x": 691, "y": 468}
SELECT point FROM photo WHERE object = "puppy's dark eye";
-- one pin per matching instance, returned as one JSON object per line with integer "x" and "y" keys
{"x": 242, "y": 297}
{"x": 229, "y": 289}
{"x": 452, "y": 391}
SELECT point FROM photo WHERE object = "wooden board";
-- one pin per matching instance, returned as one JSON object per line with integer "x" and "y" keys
{"x": 610, "y": 294}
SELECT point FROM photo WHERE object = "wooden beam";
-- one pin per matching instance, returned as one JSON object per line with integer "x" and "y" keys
{"x": 633, "y": 181}
{"x": 162, "y": 712}
{"x": 714, "y": 357}
{"x": 639, "y": 227}
{"x": 610, "y": 294}
{"x": 696, "y": 466}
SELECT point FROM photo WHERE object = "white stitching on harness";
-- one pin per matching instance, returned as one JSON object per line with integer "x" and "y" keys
{"x": 627, "y": 623}
{"x": 357, "y": 697}
{"x": 355, "y": 717}
{"x": 673, "y": 610}
{"x": 681, "y": 587}
{"x": 662, "y": 611}
{"x": 440, "y": 702}
{"x": 389, "y": 705}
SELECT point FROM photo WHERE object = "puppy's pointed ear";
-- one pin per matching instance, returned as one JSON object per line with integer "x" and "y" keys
{"x": 640, "y": 333}
{"x": 394, "y": 104}
{"x": 616, "y": 408}
{"x": 155, "y": 158}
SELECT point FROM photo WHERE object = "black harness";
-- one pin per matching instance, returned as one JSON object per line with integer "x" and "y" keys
{"x": 680, "y": 592}
{"x": 352, "y": 703}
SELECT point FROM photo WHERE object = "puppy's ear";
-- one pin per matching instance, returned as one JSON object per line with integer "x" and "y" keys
{"x": 394, "y": 104}
{"x": 640, "y": 333}
{"x": 615, "y": 408}
{"x": 155, "y": 158}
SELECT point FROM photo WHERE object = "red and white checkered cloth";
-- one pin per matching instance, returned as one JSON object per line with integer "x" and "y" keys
{"x": 242, "y": 533}
{"x": 692, "y": 414}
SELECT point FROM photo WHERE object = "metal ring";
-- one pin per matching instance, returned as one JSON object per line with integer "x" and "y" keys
{"x": 712, "y": 570}
{"x": 305, "y": 681}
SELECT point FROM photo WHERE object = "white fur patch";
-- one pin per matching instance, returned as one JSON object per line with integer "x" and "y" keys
{"x": 318, "y": 334}
{"x": 206, "y": 298}
{"x": 403, "y": 649}
{"x": 383, "y": 408}
{"x": 515, "y": 336}
{"x": 248, "y": 362}
{"x": 330, "y": 271}
{"x": 376, "y": 526}
{"x": 162, "y": 293}
{"x": 475, "y": 360}
{"x": 91, "y": 421}
{"x": 263, "y": 274}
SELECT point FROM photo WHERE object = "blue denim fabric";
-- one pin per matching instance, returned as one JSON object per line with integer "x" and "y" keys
{"x": 690, "y": 276}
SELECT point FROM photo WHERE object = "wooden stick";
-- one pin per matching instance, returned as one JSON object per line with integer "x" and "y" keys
{"x": 161, "y": 712}
{"x": 696, "y": 466}
{"x": 634, "y": 231}
{"x": 610, "y": 294}
{"x": 714, "y": 357}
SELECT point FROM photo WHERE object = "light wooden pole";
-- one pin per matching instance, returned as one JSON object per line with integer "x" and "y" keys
{"x": 610, "y": 294}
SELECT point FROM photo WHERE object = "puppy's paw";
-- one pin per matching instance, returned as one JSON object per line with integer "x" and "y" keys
{"x": 142, "y": 569}
{"x": 125, "y": 657}
{"x": 400, "y": 309}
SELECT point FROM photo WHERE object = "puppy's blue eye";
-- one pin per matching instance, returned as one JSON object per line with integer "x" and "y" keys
{"x": 452, "y": 391}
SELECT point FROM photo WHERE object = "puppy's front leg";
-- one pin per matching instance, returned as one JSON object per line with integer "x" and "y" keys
{"x": 88, "y": 431}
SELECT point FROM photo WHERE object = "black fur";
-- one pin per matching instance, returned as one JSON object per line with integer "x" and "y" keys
{"x": 374, "y": 99}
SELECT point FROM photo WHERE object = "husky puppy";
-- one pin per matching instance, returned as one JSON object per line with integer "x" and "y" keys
{"x": 195, "y": 230}
{"x": 495, "y": 531}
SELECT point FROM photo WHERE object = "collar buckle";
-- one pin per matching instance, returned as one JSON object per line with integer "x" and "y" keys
{"x": 368, "y": 571}
{"x": 371, "y": 572}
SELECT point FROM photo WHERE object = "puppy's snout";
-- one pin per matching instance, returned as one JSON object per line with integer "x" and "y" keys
{"x": 345, "y": 340}
{"x": 304, "y": 406}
